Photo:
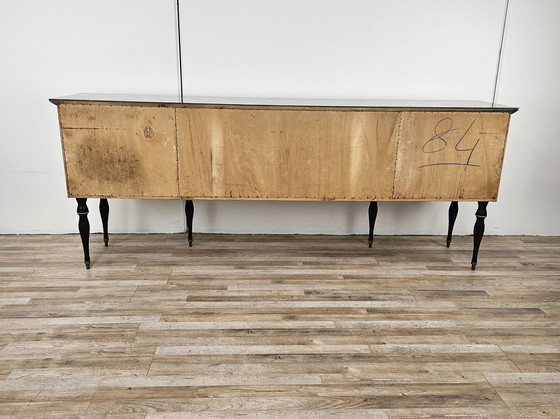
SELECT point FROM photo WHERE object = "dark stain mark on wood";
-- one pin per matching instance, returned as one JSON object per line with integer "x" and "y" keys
{"x": 119, "y": 165}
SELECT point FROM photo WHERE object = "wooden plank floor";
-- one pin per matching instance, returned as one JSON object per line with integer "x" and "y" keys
{"x": 279, "y": 326}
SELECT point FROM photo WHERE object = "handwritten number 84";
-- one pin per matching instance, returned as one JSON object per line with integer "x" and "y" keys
{"x": 438, "y": 143}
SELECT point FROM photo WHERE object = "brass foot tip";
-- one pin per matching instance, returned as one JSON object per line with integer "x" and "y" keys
{"x": 88, "y": 264}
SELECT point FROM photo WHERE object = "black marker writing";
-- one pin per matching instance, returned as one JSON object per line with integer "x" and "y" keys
{"x": 438, "y": 143}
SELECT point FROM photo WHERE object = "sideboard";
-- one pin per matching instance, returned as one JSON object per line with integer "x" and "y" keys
{"x": 142, "y": 147}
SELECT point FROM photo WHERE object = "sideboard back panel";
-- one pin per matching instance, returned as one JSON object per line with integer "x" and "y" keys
{"x": 286, "y": 154}
{"x": 450, "y": 155}
{"x": 211, "y": 151}
{"x": 119, "y": 151}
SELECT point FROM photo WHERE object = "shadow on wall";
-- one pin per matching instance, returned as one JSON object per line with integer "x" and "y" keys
{"x": 143, "y": 216}
{"x": 281, "y": 217}
{"x": 262, "y": 217}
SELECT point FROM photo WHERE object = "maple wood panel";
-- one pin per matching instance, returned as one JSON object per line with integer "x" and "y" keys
{"x": 450, "y": 155}
{"x": 286, "y": 154}
{"x": 119, "y": 151}
{"x": 210, "y": 151}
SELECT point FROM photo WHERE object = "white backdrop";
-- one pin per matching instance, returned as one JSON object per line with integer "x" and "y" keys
{"x": 399, "y": 49}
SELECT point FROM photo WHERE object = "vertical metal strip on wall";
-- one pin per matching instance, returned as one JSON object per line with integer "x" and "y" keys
{"x": 500, "y": 54}
{"x": 179, "y": 50}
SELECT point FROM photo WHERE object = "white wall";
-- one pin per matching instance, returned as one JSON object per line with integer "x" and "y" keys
{"x": 399, "y": 49}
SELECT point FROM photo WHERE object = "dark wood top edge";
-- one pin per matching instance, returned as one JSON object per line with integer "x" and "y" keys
{"x": 392, "y": 106}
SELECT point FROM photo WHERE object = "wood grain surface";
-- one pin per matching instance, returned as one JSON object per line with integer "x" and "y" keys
{"x": 283, "y": 154}
{"x": 450, "y": 155}
{"x": 289, "y": 153}
{"x": 119, "y": 151}
{"x": 279, "y": 326}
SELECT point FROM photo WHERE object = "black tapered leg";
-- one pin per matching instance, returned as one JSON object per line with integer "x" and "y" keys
{"x": 83, "y": 227}
{"x": 453, "y": 210}
{"x": 372, "y": 216}
{"x": 189, "y": 212}
{"x": 104, "y": 211}
{"x": 478, "y": 231}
